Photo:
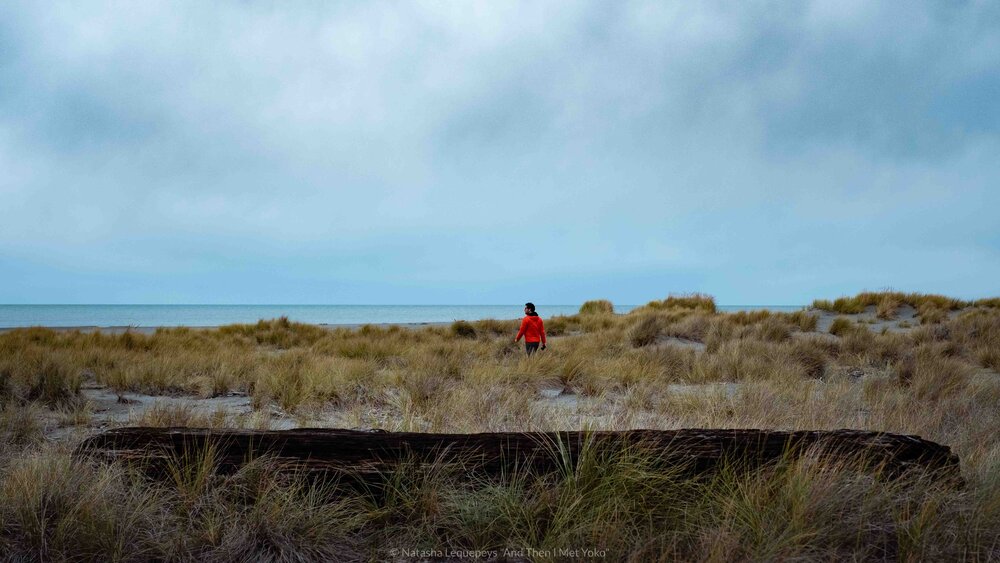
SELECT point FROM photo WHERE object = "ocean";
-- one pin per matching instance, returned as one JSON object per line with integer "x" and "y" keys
{"x": 214, "y": 315}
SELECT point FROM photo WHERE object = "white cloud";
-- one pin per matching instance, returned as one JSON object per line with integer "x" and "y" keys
{"x": 625, "y": 137}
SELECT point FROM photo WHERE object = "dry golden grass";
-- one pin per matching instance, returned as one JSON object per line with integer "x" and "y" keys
{"x": 597, "y": 306}
{"x": 931, "y": 308}
{"x": 841, "y": 326}
{"x": 690, "y": 301}
{"x": 887, "y": 306}
{"x": 676, "y": 364}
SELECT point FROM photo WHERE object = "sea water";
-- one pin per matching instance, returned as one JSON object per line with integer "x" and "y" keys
{"x": 215, "y": 315}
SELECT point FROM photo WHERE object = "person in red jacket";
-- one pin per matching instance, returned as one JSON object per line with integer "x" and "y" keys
{"x": 532, "y": 329}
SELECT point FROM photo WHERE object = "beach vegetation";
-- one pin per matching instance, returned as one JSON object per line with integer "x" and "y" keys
{"x": 690, "y": 301}
{"x": 886, "y": 303}
{"x": 597, "y": 306}
{"x": 841, "y": 326}
{"x": 682, "y": 365}
{"x": 463, "y": 329}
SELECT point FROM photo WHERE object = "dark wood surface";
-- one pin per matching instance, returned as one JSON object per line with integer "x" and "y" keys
{"x": 360, "y": 453}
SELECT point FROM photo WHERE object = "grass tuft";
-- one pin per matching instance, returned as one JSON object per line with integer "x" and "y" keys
{"x": 691, "y": 301}
{"x": 678, "y": 364}
{"x": 645, "y": 331}
{"x": 842, "y": 326}
{"x": 463, "y": 329}
{"x": 598, "y": 307}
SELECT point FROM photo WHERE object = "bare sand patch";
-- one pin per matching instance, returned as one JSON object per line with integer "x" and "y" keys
{"x": 906, "y": 319}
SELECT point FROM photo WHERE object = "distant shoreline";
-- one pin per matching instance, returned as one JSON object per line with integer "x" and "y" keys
{"x": 146, "y": 318}
{"x": 153, "y": 329}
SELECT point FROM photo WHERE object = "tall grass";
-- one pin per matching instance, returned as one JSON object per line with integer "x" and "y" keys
{"x": 295, "y": 366}
{"x": 676, "y": 364}
{"x": 931, "y": 308}
{"x": 597, "y": 306}
{"x": 629, "y": 505}
{"x": 691, "y": 301}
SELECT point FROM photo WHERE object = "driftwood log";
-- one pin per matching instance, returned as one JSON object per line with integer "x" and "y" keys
{"x": 369, "y": 456}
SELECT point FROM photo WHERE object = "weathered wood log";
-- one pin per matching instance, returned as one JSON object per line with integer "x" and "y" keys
{"x": 365, "y": 456}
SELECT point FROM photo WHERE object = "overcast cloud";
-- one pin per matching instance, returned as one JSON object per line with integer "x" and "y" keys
{"x": 494, "y": 152}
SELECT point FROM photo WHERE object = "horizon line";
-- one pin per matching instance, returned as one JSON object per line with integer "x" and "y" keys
{"x": 358, "y": 304}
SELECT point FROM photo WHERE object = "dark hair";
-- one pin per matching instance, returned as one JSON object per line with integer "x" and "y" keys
{"x": 530, "y": 306}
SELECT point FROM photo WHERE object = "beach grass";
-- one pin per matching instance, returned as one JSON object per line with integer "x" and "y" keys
{"x": 677, "y": 364}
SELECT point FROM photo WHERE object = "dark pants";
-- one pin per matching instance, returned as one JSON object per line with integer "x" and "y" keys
{"x": 531, "y": 347}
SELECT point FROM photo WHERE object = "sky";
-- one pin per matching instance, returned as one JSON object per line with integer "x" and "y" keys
{"x": 497, "y": 152}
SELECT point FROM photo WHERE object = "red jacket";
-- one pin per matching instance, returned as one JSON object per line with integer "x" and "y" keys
{"x": 532, "y": 329}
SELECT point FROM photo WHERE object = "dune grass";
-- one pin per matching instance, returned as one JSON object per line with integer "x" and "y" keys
{"x": 930, "y": 308}
{"x": 625, "y": 506}
{"x": 689, "y": 301}
{"x": 597, "y": 306}
{"x": 676, "y": 364}
{"x": 295, "y": 366}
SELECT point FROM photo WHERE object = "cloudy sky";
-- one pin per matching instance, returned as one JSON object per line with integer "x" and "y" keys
{"x": 495, "y": 152}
